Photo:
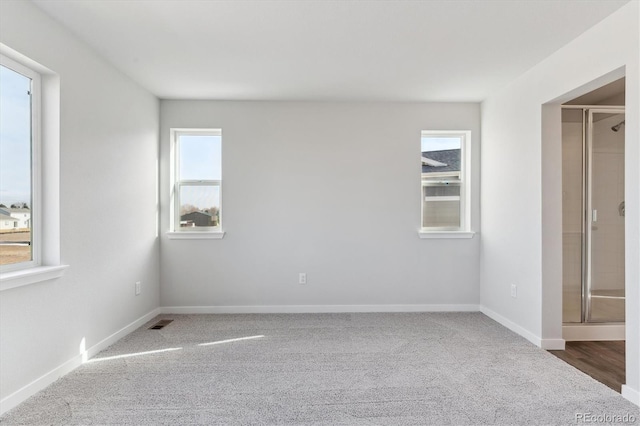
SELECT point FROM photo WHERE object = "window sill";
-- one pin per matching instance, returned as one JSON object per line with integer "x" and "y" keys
{"x": 204, "y": 235}
{"x": 445, "y": 234}
{"x": 24, "y": 277}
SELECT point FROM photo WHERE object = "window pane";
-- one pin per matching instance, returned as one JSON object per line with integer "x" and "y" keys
{"x": 199, "y": 205}
{"x": 441, "y": 213}
{"x": 15, "y": 167}
{"x": 440, "y": 154}
{"x": 441, "y": 143}
{"x": 200, "y": 157}
{"x": 442, "y": 191}
{"x": 441, "y": 166}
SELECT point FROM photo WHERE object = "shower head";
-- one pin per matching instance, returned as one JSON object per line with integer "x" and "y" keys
{"x": 617, "y": 126}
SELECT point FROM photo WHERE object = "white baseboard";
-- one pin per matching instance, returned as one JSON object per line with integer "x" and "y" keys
{"x": 104, "y": 343}
{"x": 631, "y": 394}
{"x": 297, "y": 309}
{"x": 547, "y": 344}
{"x": 593, "y": 332}
{"x": 512, "y": 326}
{"x": 39, "y": 384}
{"x": 45, "y": 380}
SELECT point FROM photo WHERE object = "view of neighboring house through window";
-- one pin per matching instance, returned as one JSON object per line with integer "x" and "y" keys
{"x": 198, "y": 179}
{"x": 443, "y": 186}
{"x": 18, "y": 85}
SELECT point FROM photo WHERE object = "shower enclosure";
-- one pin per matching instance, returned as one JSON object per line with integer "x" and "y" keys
{"x": 593, "y": 214}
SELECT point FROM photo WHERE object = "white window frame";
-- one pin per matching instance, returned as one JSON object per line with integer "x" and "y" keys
{"x": 464, "y": 230}
{"x": 45, "y": 168}
{"x": 200, "y": 232}
{"x": 35, "y": 204}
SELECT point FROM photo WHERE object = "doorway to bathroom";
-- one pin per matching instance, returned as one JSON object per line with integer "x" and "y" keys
{"x": 593, "y": 212}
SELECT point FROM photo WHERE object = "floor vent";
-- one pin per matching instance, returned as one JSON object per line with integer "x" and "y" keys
{"x": 160, "y": 324}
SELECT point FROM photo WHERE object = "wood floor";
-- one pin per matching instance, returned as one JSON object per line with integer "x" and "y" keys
{"x": 604, "y": 361}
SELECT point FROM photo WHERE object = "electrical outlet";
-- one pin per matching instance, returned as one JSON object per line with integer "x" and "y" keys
{"x": 138, "y": 287}
{"x": 302, "y": 278}
{"x": 514, "y": 290}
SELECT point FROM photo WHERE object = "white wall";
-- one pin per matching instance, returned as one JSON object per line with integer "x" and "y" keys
{"x": 108, "y": 154}
{"x": 330, "y": 189}
{"x": 521, "y": 213}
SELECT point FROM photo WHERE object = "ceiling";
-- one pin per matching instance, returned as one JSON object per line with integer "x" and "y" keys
{"x": 609, "y": 94}
{"x": 432, "y": 50}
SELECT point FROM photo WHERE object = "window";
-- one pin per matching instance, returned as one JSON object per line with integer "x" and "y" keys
{"x": 197, "y": 182}
{"x": 19, "y": 166}
{"x": 444, "y": 171}
{"x": 29, "y": 171}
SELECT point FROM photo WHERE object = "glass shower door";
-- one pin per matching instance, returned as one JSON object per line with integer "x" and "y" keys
{"x": 605, "y": 217}
{"x": 573, "y": 190}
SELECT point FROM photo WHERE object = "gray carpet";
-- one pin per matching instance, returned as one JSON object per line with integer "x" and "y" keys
{"x": 350, "y": 369}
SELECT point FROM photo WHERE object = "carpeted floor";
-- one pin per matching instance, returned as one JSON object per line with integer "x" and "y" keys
{"x": 300, "y": 369}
